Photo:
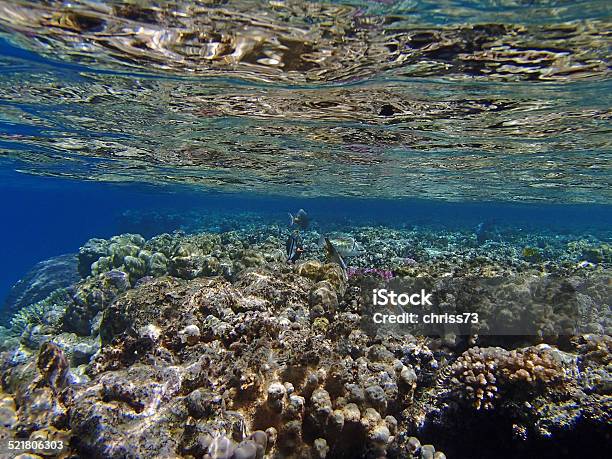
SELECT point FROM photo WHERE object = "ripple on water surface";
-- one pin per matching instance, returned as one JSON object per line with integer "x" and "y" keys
{"x": 454, "y": 100}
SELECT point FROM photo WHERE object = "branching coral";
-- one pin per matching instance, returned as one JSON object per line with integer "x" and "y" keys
{"x": 474, "y": 373}
{"x": 479, "y": 375}
{"x": 41, "y": 313}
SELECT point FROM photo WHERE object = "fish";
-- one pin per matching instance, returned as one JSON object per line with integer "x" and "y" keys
{"x": 484, "y": 231}
{"x": 300, "y": 219}
{"x": 345, "y": 246}
{"x": 294, "y": 247}
{"x": 333, "y": 255}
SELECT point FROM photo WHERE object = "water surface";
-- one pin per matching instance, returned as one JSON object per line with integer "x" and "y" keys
{"x": 455, "y": 100}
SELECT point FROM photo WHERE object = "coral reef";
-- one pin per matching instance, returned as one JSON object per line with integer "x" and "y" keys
{"x": 92, "y": 296}
{"x": 45, "y": 277}
{"x": 217, "y": 348}
{"x": 47, "y": 312}
{"x": 482, "y": 375}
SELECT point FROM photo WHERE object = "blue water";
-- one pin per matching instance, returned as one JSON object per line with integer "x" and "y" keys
{"x": 391, "y": 129}
{"x": 44, "y": 217}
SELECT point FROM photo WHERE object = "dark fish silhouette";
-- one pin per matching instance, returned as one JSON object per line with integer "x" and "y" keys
{"x": 484, "y": 231}
{"x": 294, "y": 247}
{"x": 300, "y": 219}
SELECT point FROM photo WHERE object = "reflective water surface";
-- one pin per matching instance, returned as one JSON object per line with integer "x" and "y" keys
{"x": 454, "y": 100}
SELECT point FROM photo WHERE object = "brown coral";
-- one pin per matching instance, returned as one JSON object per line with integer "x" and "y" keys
{"x": 479, "y": 375}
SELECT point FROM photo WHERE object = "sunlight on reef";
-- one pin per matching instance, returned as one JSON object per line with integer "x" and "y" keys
{"x": 183, "y": 343}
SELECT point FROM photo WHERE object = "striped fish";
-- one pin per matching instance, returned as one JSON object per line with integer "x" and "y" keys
{"x": 294, "y": 247}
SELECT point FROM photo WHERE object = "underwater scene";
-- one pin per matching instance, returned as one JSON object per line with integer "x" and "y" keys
{"x": 249, "y": 229}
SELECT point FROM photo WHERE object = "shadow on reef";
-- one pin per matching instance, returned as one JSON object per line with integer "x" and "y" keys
{"x": 484, "y": 435}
